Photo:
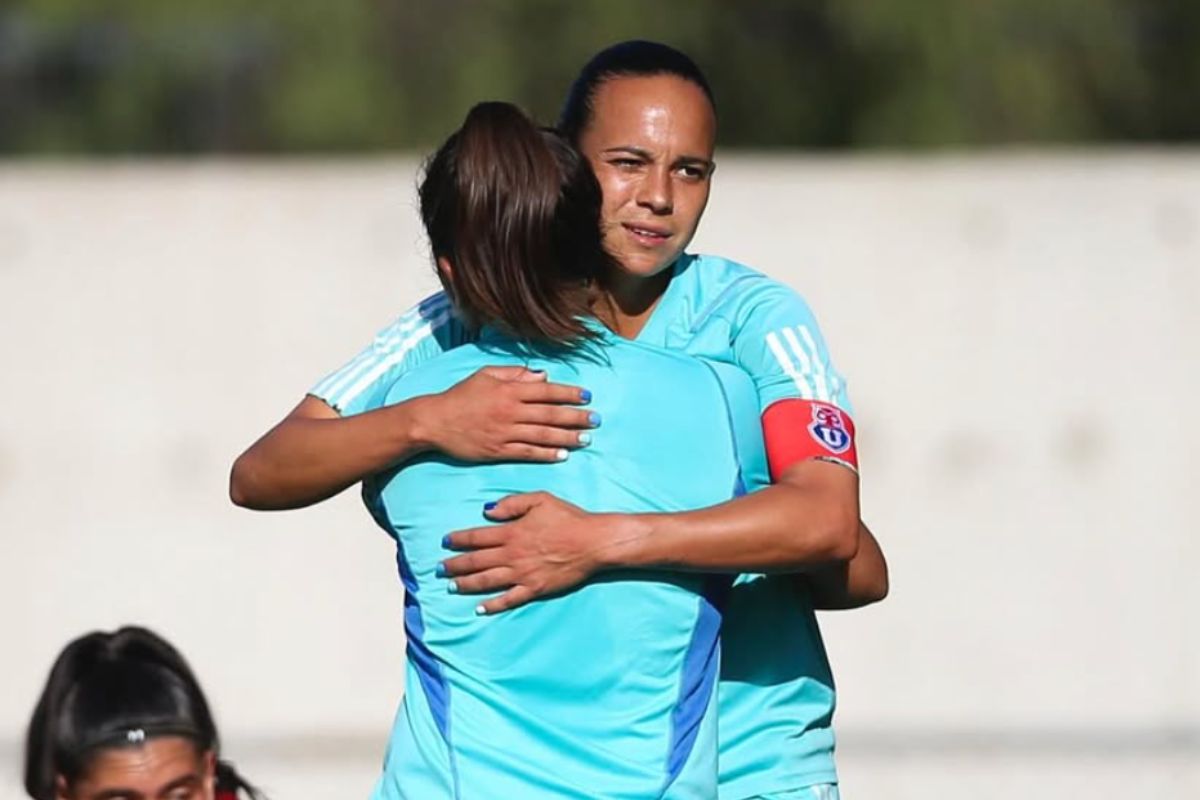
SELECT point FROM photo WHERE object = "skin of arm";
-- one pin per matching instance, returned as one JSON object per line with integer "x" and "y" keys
{"x": 809, "y": 517}
{"x": 499, "y": 413}
{"x": 844, "y": 585}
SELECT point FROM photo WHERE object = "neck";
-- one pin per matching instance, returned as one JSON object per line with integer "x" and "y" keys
{"x": 627, "y": 301}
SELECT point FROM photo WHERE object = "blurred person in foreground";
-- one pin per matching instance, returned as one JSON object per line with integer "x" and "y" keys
{"x": 122, "y": 717}
{"x": 644, "y": 116}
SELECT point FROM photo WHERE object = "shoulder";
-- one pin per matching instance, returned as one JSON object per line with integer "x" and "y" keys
{"x": 740, "y": 295}
{"x": 429, "y": 323}
{"x": 423, "y": 332}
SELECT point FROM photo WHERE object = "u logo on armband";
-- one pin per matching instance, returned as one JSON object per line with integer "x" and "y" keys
{"x": 797, "y": 430}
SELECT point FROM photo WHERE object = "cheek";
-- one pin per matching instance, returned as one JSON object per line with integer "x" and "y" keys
{"x": 615, "y": 191}
{"x": 696, "y": 201}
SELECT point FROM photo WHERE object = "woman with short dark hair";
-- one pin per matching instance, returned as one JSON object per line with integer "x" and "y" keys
{"x": 122, "y": 716}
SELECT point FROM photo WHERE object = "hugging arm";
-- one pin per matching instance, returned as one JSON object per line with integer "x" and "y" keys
{"x": 499, "y": 413}
{"x": 852, "y": 583}
{"x": 807, "y": 519}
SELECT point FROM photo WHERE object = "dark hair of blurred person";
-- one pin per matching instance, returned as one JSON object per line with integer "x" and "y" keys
{"x": 632, "y": 59}
{"x": 513, "y": 217}
{"x": 122, "y": 717}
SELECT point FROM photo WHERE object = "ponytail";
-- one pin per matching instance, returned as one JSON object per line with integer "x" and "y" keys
{"x": 515, "y": 211}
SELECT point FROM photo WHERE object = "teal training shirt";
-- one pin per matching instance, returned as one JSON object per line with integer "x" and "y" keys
{"x": 609, "y": 690}
{"x": 776, "y": 691}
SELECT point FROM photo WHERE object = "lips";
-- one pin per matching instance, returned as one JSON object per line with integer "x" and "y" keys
{"x": 647, "y": 234}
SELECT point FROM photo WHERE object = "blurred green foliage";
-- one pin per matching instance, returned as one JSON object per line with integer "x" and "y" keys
{"x": 227, "y": 76}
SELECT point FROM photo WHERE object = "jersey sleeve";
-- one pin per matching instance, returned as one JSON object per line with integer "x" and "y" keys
{"x": 423, "y": 332}
{"x": 805, "y": 407}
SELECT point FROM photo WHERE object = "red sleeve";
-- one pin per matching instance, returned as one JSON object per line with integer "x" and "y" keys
{"x": 797, "y": 430}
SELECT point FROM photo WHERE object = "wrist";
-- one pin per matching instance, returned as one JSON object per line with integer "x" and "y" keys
{"x": 418, "y": 426}
{"x": 626, "y": 542}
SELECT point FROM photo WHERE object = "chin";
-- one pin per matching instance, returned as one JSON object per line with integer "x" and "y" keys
{"x": 639, "y": 266}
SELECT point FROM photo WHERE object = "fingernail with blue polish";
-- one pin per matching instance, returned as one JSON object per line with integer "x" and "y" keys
{"x": 594, "y": 419}
{"x": 488, "y": 506}
{"x": 440, "y": 571}
{"x": 452, "y": 587}
{"x": 446, "y": 542}
{"x": 585, "y": 395}
{"x": 585, "y": 439}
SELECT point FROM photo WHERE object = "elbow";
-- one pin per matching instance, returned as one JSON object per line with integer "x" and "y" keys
{"x": 241, "y": 485}
{"x": 839, "y": 536}
{"x": 877, "y": 590}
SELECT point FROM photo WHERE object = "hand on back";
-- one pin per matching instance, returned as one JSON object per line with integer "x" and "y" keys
{"x": 508, "y": 414}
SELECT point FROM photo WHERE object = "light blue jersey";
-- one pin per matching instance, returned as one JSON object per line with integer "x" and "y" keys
{"x": 776, "y": 689}
{"x": 609, "y": 690}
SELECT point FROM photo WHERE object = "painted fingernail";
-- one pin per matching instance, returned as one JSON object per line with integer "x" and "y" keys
{"x": 446, "y": 542}
{"x": 585, "y": 439}
{"x": 440, "y": 571}
{"x": 452, "y": 587}
{"x": 480, "y": 611}
{"x": 488, "y": 506}
{"x": 585, "y": 395}
{"x": 561, "y": 455}
{"x": 594, "y": 419}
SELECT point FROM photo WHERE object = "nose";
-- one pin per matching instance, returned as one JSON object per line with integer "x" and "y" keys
{"x": 656, "y": 192}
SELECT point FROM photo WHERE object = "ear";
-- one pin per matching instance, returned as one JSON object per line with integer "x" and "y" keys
{"x": 61, "y": 790}
{"x": 445, "y": 270}
{"x": 209, "y": 774}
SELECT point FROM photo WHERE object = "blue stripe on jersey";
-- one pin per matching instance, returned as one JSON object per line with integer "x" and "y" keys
{"x": 433, "y": 682}
{"x": 700, "y": 667}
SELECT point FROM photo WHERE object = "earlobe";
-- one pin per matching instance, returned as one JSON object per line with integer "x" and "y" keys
{"x": 61, "y": 790}
{"x": 444, "y": 269}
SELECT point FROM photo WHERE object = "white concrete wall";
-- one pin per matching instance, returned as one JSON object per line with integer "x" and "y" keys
{"x": 1022, "y": 338}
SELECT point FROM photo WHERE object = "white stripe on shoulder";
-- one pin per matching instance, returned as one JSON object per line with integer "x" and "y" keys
{"x": 411, "y": 319}
{"x": 818, "y": 365}
{"x": 393, "y": 358}
{"x": 785, "y": 363}
{"x": 323, "y": 387}
{"x": 387, "y": 341}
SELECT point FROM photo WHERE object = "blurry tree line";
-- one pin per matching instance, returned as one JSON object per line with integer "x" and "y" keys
{"x": 228, "y": 76}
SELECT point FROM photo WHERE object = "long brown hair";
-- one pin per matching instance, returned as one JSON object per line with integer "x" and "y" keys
{"x": 515, "y": 210}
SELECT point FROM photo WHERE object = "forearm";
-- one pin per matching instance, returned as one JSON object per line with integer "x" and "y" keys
{"x": 782, "y": 528}
{"x": 849, "y": 584}
{"x": 306, "y": 458}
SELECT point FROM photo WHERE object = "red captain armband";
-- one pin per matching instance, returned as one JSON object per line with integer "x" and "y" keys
{"x": 798, "y": 430}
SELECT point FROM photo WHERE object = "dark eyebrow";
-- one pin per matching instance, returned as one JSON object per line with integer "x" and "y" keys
{"x": 707, "y": 163}
{"x": 631, "y": 150}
